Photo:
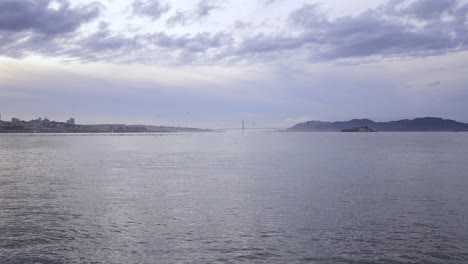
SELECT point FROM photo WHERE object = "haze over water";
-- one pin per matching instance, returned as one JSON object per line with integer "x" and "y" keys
{"x": 235, "y": 198}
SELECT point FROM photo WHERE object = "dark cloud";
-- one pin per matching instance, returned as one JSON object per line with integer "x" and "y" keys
{"x": 37, "y": 26}
{"x": 37, "y": 16}
{"x": 399, "y": 28}
{"x": 436, "y": 83}
{"x": 150, "y": 8}
{"x": 422, "y": 9}
{"x": 34, "y": 26}
{"x": 203, "y": 9}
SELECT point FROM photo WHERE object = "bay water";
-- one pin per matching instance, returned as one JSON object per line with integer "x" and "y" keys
{"x": 253, "y": 197}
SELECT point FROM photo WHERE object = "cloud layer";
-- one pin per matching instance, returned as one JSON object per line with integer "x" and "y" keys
{"x": 36, "y": 26}
{"x": 38, "y": 16}
{"x": 398, "y": 28}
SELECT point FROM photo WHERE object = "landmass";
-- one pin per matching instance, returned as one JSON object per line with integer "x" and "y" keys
{"x": 424, "y": 124}
{"x": 359, "y": 129}
{"x": 47, "y": 126}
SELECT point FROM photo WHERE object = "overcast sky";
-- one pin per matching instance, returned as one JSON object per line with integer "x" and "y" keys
{"x": 213, "y": 63}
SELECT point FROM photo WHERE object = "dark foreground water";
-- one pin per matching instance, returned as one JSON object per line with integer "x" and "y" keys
{"x": 235, "y": 198}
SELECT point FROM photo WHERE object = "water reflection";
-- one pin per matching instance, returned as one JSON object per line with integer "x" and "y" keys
{"x": 255, "y": 197}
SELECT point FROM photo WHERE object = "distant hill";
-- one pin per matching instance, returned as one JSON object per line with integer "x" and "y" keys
{"x": 419, "y": 124}
{"x": 141, "y": 128}
{"x": 47, "y": 126}
{"x": 170, "y": 128}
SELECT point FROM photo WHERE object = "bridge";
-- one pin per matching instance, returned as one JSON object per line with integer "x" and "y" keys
{"x": 243, "y": 127}
{"x": 253, "y": 128}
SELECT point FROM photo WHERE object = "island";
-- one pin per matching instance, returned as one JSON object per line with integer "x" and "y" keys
{"x": 423, "y": 124}
{"x": 359, "y": 129}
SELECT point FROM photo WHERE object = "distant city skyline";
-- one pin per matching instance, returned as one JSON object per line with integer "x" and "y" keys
{"x": 214, "y": 63}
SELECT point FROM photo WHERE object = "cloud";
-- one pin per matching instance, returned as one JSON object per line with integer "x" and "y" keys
{"x": 106, "y": 45}
{"x": 436, "y": 83}
{"x": 269, "y": 2}
{"x": 398, "y": 28}
{"x": 422, "y": 9}
{"x": 203, "y": 9}
{"x": 150, "y": 8}
{"x": 196, "y": 43}
{"x": 239, "y": 24}
{"x": 103, "y": 45}
{"x": 180, "y": 17}
{"x": 35, "y": 27}
{"x": 41, "y": 26}
{"x": 39, "y": 16}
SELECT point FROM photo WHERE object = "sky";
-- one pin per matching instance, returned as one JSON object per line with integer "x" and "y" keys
{"x": 214, "y": 63}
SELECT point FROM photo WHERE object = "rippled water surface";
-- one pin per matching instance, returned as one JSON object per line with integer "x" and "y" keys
{"x": 235, "y": 198}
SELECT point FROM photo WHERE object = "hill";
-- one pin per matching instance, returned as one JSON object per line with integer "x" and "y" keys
{"x": 424, "y": 124}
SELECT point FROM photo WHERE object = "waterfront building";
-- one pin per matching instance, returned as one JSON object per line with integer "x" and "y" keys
{"x": 71, "y": 121}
